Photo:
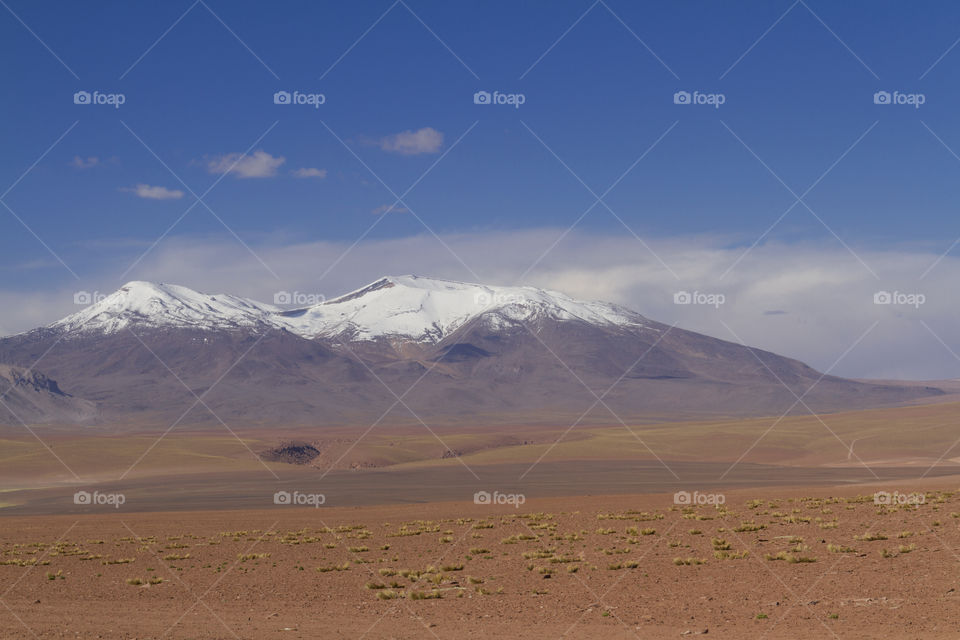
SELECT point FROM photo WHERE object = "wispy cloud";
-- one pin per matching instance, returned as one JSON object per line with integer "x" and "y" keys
{"x": 84, "y": 163}
{"x": 389, "y": 208}
{"x": 258, "y": 164}
{"x": 154, "y": 193}
{"x": 310, "y": 172}
{"x": 411, "y": 143}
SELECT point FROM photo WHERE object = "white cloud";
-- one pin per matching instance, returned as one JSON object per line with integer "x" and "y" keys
{"x": 410, "y": 143}
{"x": 822, "y": 295}
{"x": 84, "y": 163}
{"x": 389, "y": 208}
{"x": 155, "y": 193}
{"x": 310, "y": 172}
{"x": 259, "y": 164}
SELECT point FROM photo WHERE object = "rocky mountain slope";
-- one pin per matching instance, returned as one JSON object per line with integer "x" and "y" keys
{"x": 451, "y": 350}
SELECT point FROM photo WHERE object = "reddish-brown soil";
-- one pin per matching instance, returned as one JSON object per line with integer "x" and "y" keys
{"x": 257, "y": 574}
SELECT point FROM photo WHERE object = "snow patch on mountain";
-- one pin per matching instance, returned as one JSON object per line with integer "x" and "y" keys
{"x": 144, "y": 304}
{"x": 410, "y": 307}
{"x": 427, "y": 309}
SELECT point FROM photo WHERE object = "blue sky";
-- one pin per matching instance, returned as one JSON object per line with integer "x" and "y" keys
{"x": 598, "y": 79}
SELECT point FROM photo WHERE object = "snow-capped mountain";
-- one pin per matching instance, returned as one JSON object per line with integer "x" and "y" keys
{"x": 407, "y": 307}
{"x": 144, "y": 304}
{"x": 456, "y": 351}
{"x": 427, "y": 310}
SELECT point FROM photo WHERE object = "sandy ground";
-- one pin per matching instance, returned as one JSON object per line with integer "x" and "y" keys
{"x": 580, "y": 567}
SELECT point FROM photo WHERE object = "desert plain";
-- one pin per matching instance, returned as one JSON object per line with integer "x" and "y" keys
{"x": 836, "y": 525}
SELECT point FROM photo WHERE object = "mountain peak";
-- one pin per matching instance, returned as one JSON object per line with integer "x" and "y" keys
{"x": 407, "y": 307}
{"x": 157, "y": 305}
{"x": 406, "y": 281}
{"x": 428, "y": 309}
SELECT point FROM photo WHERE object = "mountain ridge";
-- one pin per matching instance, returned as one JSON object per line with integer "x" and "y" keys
{"x": 413, "y": 307}
{"x": 453, "y": 351}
